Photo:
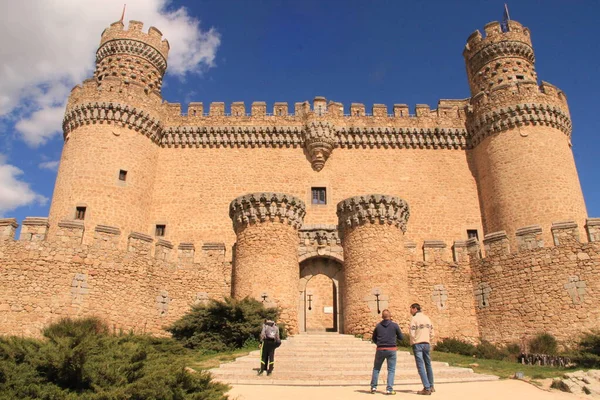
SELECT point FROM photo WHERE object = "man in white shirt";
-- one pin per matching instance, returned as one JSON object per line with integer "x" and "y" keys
{"x": 421, "y": 334}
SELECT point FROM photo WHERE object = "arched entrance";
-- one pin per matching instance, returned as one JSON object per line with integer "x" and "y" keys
{"x": 320, "y": 288}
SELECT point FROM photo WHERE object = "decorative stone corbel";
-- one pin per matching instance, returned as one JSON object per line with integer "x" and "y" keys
{"x": 319, "y": 139}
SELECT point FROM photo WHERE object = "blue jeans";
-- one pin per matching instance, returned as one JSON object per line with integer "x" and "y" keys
{"x": 390, "y": 356}
{"x": 423, "y": 360}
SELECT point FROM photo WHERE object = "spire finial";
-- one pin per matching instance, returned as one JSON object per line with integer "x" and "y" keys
{"x": 505, "y": 19}
{"x": 123, "y": 14}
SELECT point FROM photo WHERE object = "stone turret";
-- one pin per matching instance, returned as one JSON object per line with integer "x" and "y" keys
{"x": 375, "y": 271}
{"x": 519, "y": 133}
{"x": 266, "y": 252}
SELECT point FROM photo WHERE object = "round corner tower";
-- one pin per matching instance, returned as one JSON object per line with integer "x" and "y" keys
{"x": 520, "y": 136}
{"x": 111, "y": 131}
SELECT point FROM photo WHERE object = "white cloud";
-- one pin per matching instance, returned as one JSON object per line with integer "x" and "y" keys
{"x": 41, "y": 125}
{"x": 47, "y": 47}
{"x": 49, "y": 165}
{"x": 13, "y": 192}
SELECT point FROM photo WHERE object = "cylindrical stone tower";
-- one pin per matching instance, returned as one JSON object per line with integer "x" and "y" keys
{"x": 375, "y": 273}
{"x": 266, "y": 252}
{"x": 112, "y": 129}
{"x": 520, "y": 136}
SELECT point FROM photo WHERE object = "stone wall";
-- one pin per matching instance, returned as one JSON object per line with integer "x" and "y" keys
{"x": 439, "y": 279}
{"x": 538, "y": 287}
{"x": 131, "y": 287}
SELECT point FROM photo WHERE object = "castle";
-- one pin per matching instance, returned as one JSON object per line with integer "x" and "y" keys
{"x": 473, "y": 209}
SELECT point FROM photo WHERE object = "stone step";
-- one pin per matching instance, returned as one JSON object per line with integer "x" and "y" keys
{"x": 347, "y": 370}
{"x": 338, "y": 375}
{"x": 325, "y": 352}
{"x": 333, "y": 364}
{"x": 270, "y": 380}
{"x": 331, "y": 359}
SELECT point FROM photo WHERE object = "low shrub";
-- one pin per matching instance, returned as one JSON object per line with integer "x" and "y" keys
{"x": 457, "y": 346}
{"x": 405, "y": 342}
{"x": 543, "y": 343}
{"x": 223, "y": 325}
{"x": 490, "y": 351}
{"x": 80, "y": 359}
{"x": 590, "y": 343}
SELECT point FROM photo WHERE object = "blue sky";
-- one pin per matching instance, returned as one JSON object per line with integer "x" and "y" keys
{"x": 348, "y": 51}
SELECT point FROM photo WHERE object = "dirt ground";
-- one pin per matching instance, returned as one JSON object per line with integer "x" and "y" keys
{"x": 494, "y": 390}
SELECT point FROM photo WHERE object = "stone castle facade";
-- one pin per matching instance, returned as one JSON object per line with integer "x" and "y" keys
{"x": 330, "y": 216}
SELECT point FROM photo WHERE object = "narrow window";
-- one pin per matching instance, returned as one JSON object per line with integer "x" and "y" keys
{"x": 122, "y": 175}
{"x": 160, "y": 230}
{"x": 80, "y": 213}
{"x": 472, "y": 233}
{"x": 520, "y": 77}
{"x": 319, "y": 195}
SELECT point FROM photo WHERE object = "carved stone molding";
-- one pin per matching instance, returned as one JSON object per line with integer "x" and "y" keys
{"x": 403, "y": 138}
{"x": 112, "y": 113}
{"x": 319, "y": 140}
{"x": 133, "y": 47}
{"x": 373, "y": 208}
{"x": 500, "y": 49}
{"x": 232, "y": 136}
{"x": 319, "y": 235}
{"x": 263, "y": 207}
{"x": 514, "y": 116}
{"x": 294, "y": 136}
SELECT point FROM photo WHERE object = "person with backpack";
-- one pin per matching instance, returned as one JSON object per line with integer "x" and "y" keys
{"x": 269, "y": 337}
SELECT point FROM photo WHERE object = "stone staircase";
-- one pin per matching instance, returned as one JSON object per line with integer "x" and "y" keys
{"x": 331, "y": 359}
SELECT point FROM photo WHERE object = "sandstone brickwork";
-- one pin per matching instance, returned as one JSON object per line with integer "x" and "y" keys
{"x": 498, "y": 245}
{"x": 553, "y": 288}
{"x": 375, "y": 272}
{"x": 266, "y": 261}
{"x": 43, "y": 281}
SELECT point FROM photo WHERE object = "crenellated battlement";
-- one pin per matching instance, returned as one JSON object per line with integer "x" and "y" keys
{"x": 69, "y": 237}
{"x": 514, "y": 36}
{"x": 132, "y": 57}
{"x": 154, "y": 37}
{"x": 448, "y": 110}
{"x": 426, "y": 128}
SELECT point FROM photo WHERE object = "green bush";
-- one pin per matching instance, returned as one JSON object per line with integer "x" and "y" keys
{"x": 590, "y": 343}
{"x": 490, "y": 351}
{"x": 405, "y": 342}
{"x": 543, "y": 343}
{"x": 223, "y": 325}
{"x": 587, "y": 354}
{"x": 457, "y": 346}
{"x": 80, "y": 359}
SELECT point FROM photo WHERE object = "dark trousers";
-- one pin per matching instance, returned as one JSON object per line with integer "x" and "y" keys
{"x": 267, "y": 355}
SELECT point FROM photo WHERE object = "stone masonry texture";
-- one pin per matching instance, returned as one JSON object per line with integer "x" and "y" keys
{"x": 157, "y": 207}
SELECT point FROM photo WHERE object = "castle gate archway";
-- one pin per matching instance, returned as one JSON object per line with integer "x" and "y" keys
{"x": 320, "y": 288}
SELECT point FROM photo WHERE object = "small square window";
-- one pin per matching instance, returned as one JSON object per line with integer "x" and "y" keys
{"x": 472, "y": 233}
{"x": 80, "y": 213}
{"x": 122, "y": 175}
{"x": 319, "y": 195}
{"x": 160, "y": 230}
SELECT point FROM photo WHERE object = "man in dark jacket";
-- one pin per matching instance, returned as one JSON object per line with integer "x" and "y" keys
{"x": 384, "y": 336}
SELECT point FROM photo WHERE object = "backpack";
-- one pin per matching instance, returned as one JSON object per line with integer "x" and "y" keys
{"x": 271, "y": 331}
